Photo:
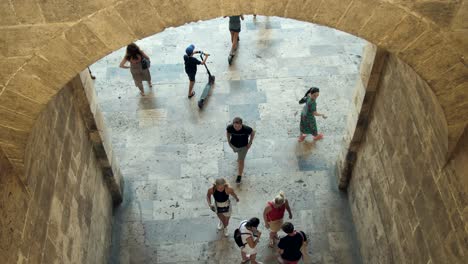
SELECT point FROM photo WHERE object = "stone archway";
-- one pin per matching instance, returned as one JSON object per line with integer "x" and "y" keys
{"x": 47, "y": 44}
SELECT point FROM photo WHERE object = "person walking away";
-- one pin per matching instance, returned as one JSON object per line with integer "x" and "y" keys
{"x": 250, "y": 237}
{"x": 308, "y": 124}
{"x": 235, "y": 29}
{"x": 222, "y": 205}
{"x": 191, "y": 64}
{"x": 240, "y": 138}
{"x": 273, "y": 216}
{"x": 292, "y": 245}
{"x": 135, "y": 55}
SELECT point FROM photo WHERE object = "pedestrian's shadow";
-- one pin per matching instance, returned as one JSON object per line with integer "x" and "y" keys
{"x": 304, "y": 148}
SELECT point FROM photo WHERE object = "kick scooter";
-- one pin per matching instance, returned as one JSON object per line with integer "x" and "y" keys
{"x": 206, "y": 90}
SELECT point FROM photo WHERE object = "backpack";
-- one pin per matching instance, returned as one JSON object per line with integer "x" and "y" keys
{"x": 238, "y": 235}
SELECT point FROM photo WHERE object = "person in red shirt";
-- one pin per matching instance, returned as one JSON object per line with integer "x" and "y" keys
{"x": 273, "y": 216}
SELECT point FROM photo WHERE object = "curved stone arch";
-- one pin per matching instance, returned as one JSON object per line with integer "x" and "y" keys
{"x": 428, "y": 48}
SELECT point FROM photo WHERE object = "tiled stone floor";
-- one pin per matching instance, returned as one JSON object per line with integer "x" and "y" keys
{"x": 170, "y": 151}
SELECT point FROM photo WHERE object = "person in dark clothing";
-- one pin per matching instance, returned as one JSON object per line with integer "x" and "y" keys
{"x": 191, "y": 64}
{"x": 240, "y": 138}
{"x": 289, "y": 247}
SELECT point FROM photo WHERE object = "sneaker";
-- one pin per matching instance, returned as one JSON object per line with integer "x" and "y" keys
{"x": 238, "y": 179}
{"x": 220, "y": 225}
{"x": 226, "y": 232}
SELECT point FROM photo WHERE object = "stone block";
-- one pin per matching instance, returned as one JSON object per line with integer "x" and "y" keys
{"x": 455, "y": 76}
{"x": 24, "y": 40}
{"x": 330, "y": 12}
{"x": 443, "y": 58}
{"x": 13, "y": 138}
{"x": 173, "y": 13}
{"x": 231, "y": 8}
{"x": 272, "y": 7}
{"x": 84, "y": 40}
{"x": 13, "y": 119}
{"x": 409, "y": 29}
{"x": 204, "y": 9}
{"x": 422, "y": 48}
{"x": 28, "y": 11}
{"x": 354, "y": 18}
{"x": 440, "y": 13}
{"x": 70, "y": 10}
{"x": 62, "y": 59}
{"x": 459, "y": 39}
{"x": 303, "y": 10}
{"x": 31, "y": 86}
{"x": 110, "y": 28}
{"x": 148, "y": 21}
{"x": 9, "y": 66}
{"x": 7, "y": 13}
{"x": 377, "y": 27}
{"x": 453, "y": 101}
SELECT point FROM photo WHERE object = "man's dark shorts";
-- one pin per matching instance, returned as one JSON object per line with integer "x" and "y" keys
{"x": 191, "y": 76}
{"x": 235, "y": 30}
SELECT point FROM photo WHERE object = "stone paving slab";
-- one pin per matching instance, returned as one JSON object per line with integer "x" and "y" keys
{"x": 170, "y": 151}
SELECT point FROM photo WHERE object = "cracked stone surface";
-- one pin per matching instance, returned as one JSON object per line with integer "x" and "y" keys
{"x": 170, "y": 151}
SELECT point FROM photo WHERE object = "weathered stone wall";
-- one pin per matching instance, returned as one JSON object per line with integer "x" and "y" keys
{"x": 63, "y": 212}
{"x": 409, "y": 205}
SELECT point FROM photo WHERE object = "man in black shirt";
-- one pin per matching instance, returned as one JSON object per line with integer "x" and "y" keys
{"x": 238, "y": 138}
{"x": 191, "y": 66}
{"x": 289, "y": 246}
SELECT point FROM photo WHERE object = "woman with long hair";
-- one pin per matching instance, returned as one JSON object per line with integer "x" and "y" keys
{"x": 222, "y": 205}
{"x": 135, "y": 56}
{"x": 309, "y": 112}
{"x": 273, "y": 215}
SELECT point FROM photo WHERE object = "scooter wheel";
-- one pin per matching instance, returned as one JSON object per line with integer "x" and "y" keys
{"x": 200, "y": 103}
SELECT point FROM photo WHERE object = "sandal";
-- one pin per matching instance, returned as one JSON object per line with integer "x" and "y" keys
{"x": 318, "y": 137}
{"x": 191, "y": 95}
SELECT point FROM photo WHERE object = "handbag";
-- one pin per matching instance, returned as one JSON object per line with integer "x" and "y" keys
{"x": 145, "y": 63}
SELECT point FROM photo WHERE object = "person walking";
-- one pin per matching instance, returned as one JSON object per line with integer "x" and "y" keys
{"x": 135, "y": 56}
{"x": 191, "y": 64}
{"x": 240, "y": 138}
{"x": 308, "y": 123}
{"x": 222, "y": 205}
{"x": 273, "y": 216}
{"x": 235, "y": 29}
{"x": 291, "y": 246}
{"x": 250, "y": 237}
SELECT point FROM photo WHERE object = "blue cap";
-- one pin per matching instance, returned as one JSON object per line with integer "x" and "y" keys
{"x": 189, "y": 50}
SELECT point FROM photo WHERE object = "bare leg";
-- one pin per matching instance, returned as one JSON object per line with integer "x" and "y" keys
{"x": 140, "y": 87}
{"x": 244, "y": 256}
{"x": 191, "y": 88}
{"x": 252, "y": 258}
{"x": 240, "y": 168}
{"x": 232, "y": 42}
{"x": 235, "y": 39}
{"x": 301, "y": 137}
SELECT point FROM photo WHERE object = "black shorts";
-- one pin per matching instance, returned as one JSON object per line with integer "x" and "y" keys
{"x": 235, "y": 30}
{"x": 191, "y": 76}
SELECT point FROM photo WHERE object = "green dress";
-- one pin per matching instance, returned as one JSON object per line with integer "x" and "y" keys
{"x": 308, "y": 122}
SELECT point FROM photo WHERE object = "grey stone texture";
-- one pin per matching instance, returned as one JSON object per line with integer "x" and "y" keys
{"x": 170, "y": 151}
{"x": 62, "y": 214}
{"x": 408, "y": 202}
